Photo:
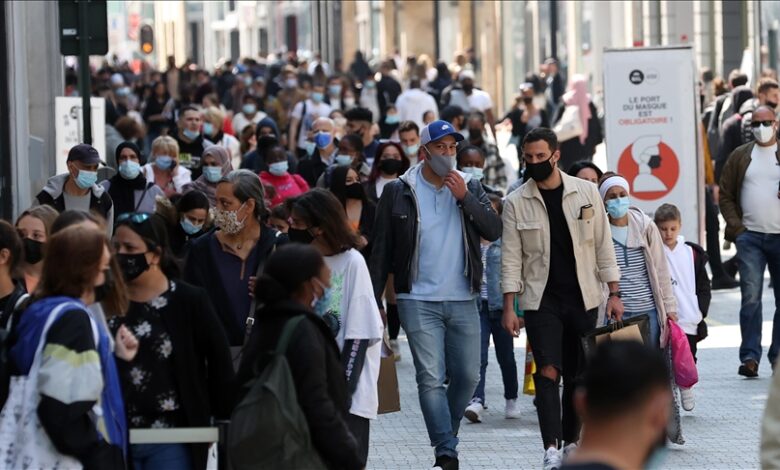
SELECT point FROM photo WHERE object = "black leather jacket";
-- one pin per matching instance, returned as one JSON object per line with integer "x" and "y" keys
{"x": 396, "y": 233}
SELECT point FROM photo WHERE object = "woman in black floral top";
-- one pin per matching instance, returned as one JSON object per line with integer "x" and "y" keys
{"x": 181, "y": 343}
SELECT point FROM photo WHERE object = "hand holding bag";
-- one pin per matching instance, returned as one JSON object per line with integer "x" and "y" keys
{"x": 387, "y": 385}
{"x": 685, "y": 373}
{"x": 633, "y": 329}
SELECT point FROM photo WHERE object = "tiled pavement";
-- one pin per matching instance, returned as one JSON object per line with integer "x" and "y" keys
{"x": 722, "y": 432}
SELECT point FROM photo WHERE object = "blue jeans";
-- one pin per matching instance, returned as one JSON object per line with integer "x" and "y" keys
{"x": 161, "y": 457}
{"x": 505, "y": 353}
{"x": 756, "y": 251}
{"x": 655, "y": 327}
{"x": 444, "y": 338}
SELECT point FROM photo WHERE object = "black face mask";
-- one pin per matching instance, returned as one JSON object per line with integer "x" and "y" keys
{"x": 528, "y": 100}
{"x": 475, "y": 135}
{"x": 654, "y": 162}
{"x": 132, "y": 266}
{"x": 355, "y": 191}
{"x": 298, "y": 235}
{"x": 33, "y": 251}
{"x": 771, "y": 105}
{"x": 539, "y": 171}
{"x": 101, "y": 291}
{"x": 468, "y": 88}
{"x": 390, "y": 166}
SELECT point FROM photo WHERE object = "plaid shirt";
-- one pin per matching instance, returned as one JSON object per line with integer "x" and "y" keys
{"x": 495, "y": 171}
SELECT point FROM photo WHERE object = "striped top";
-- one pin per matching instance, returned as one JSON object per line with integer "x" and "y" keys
{"x": 483, "y": 288}
{"x": 634, "y": 281}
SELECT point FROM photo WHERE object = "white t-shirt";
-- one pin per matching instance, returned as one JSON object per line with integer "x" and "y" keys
{"x": 353, "y": 302}
{"x": 233, "y": 146}
{"x": 760, "y": 205}
{"x": 313, "y": 111}
{"x": 413, "y": 103}
{"x": 381, "y": 182}
{"x": 479, "y": 100}
{"x": 683, "y": 272}
{"x": 240, "y": 121}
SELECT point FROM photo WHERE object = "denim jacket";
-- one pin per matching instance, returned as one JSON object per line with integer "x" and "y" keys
{"x": 493, "y": 270}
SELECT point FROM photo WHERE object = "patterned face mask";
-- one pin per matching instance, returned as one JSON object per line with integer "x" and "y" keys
{"x": 228, "y": 222}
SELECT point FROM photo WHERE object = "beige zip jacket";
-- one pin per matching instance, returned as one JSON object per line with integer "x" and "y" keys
{"x": 525, "y": 249}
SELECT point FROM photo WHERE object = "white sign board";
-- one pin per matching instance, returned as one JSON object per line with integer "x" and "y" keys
{"x": 652, "y": 129}
{"x": 68, "y": 127}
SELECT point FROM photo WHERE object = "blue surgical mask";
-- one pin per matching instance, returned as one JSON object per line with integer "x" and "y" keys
{"x": 334, "y": 90}
{"x": 411, "y": 150}
{"x": 163, "y": 162}
{"x": 129, "y": 169}
{"x": 392, "y": 119}
{"x": 475, "y": 172}
{"x": 249, "y": 109}
{"x": 321, "y": 305}
{"x": 192, "y": 135}
{"x": 370, "y": 85}
{"x": 309, "y": 146}
{"x": 247, "y": 81}
{"x": 188, "y": 227}
{"x": 618, "y": 208}
{"x": 208, "y": 128}
{"x": 212, "y": 173}
{"x": 124, "y": 91}
{"x": 323, "y": 139}
{"x": 86, "y": 179}
{"x": 317, "y": 97}
{"x": 278, "y": 168}
{"x": 343, "y": 160}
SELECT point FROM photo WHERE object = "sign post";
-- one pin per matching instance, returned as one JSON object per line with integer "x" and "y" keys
{"x": 83, "y": 32}
{"x": 69, "y": 118}
{"x": 653, "y": 131}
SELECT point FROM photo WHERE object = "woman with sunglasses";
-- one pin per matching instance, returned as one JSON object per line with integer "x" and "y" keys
{"x": 80, "y": 408}
{"x": 348, "y": 306}
{"x": 180, "y": 375}
{"x": 225, "y": 261}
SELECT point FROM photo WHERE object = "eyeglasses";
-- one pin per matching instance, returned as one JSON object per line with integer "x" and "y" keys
{"x": 757, "y": 124}
{"x": 133, "y": 217}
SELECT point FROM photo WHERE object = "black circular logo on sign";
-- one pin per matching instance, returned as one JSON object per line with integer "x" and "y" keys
{"x": 636, "y": 77}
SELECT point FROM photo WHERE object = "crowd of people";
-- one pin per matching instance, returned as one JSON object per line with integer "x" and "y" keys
{"x": 359, "y": 202}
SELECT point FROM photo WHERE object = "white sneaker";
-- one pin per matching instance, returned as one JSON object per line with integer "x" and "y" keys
{"x": 473, "y": 412}
{"x": 552, "y": 459}
{"x": 511, "y": 410}
{"x": 568, "y": 451}
{"x": 688, "y": 402}
{"x": 396, "y": 349}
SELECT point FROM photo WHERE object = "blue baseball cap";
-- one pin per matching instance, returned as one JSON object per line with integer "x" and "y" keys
{"x": 438, "y": 130}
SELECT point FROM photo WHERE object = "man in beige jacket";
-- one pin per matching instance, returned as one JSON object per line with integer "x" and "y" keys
{"x": 556, "y": 253}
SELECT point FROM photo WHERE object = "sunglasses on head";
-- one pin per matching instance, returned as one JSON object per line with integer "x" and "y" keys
{"x": 133, "y": 217}
{"x": 756, "y": 124}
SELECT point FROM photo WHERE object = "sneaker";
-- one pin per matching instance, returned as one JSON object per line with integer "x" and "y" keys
{"x": 511, "y": 409}
{"x": 748, "y": 369}
{"x": 552, "y": 459}
{"x": 445, "y": 462}
{"x": 396, "y": 349}
{"x": 568, "y": 450}
{"x": 473, "y": 412}
{"x": 688, "y": 402}
{"x": 724, "y": 282}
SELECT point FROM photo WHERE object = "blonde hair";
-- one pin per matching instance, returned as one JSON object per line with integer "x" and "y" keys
{"x": 215, "y": 116}
{"x": 165, "y": 145}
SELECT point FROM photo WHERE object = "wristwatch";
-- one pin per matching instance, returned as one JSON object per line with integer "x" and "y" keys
{"x": 617, "y": 294}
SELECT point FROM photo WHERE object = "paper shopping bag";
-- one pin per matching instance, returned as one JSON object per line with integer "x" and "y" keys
{"x": 387, "y": 385}
{"x": 637, "y": 329}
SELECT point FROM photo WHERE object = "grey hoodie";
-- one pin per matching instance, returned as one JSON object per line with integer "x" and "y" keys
{"x": 52, "y": 194}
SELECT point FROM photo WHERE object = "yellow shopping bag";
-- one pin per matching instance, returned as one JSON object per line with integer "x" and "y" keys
{"x": 530, "y": 369}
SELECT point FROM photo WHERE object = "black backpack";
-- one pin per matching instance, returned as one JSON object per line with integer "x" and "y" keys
{"x": 268, "y": 429}
{"x": 9, "y": 318}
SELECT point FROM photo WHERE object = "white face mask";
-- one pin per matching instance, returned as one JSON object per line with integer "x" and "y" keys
{"x": 763, "y": 134}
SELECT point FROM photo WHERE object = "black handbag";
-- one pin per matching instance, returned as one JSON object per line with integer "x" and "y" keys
{"x": 589, "y": 338}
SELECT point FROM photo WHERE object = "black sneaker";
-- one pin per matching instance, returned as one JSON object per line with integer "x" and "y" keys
{"x": 445, "y": 462}
{"x": 749, "y": 369}
{"x": 731, "y": 267}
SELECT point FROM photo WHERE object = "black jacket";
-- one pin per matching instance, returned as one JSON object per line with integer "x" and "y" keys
{"x": 201, "y": 270}
{"x": 703, "y": 287}
{"x": 202, "y": 363}
{"x": 316, "y": 369}
{"x": 396, "y": 233}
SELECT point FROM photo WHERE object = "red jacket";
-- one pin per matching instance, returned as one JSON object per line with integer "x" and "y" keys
{"x": 286, "y": 186}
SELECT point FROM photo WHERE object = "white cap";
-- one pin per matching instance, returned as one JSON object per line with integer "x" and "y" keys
{"x": 466, "y": 74}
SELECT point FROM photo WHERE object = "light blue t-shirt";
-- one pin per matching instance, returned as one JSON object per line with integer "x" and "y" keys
{"x": 441, "y": 274}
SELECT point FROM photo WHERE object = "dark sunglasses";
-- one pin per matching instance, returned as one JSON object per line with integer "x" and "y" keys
{"x": 756, "y": 124}
{"x": 133, "y": 217}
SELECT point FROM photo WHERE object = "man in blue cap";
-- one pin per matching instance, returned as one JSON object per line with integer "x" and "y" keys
{"x": 427, "y": 233}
